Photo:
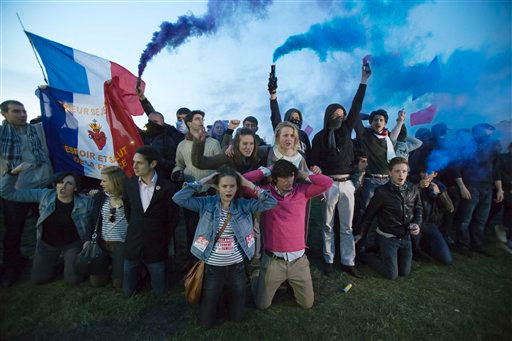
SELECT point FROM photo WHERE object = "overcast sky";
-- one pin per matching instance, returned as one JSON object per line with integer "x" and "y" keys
{"x": 226, "y": 74}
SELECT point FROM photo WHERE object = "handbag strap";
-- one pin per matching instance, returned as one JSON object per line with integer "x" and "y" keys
{"x": 226, "y": 222}
{"x": 95, "y": 233}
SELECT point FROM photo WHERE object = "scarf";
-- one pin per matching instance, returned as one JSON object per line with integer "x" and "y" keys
{"x": 296, "y": 159}
{"x": 333, "y": 125}
{"x": 390, "y": 152}
{"x": 10, "y": 145}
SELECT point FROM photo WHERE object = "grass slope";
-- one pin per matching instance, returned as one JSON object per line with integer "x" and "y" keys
{"x": 469, "y": 300}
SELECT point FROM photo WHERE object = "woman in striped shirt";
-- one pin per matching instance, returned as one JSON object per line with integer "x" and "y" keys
{"x": 224, "y": 237}
{"x": 110, "y": 221}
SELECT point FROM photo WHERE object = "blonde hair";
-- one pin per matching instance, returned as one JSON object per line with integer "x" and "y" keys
{"x": 277, "y": 133}
{"x": 117, "y": 177}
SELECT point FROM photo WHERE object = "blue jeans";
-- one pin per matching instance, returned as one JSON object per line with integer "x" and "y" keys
{"x": 434, "y": 244}
{"x": 45, "y": 258}
{"x": 369, "y": 186}
{"x": 156, "y": 272}
{"x": 472, "y": 217}
{"x": 216, "y": 278}
{"x": 395, "y": 257}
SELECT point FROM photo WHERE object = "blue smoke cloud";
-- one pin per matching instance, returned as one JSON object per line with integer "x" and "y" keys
{"x": 339, "y": 34}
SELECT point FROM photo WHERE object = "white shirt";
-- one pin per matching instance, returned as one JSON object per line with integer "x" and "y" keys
{"x": 147, "y": 190}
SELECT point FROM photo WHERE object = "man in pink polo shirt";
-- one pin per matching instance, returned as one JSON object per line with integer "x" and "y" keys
{"x": 283, "y": 235}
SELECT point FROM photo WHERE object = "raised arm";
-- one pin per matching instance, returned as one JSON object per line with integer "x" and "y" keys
{"x": 185, "y": 197}
{"x": 275, "y": 114}
{"x": 265, "y": 201}
{"x": 393, "y": 136}
{"x": 355, "y": 121}
{"x": 357, "y": 102}
{"x": 146, "y": 105}
{"x": 319, "y": 184}
{"x": 200, "y": 161}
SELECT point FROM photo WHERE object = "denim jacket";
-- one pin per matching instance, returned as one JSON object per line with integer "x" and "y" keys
{"x": 209, "y": 209}
{"x": 47, "y": 202}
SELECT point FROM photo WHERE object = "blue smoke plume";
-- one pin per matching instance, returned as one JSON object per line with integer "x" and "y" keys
{"x": 339, "y": 34}
{"x": 172, "y": 35}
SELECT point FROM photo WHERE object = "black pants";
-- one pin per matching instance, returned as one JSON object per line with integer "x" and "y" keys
{"x": 15, "y": 214}
{"x": 216, "y": 279}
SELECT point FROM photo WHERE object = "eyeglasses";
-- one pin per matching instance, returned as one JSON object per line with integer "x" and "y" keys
{"x": 112, "y": 215}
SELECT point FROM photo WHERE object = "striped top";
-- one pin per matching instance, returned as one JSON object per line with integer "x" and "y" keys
{"x": 226, "y": 251}
{"x": 113, "y": 231}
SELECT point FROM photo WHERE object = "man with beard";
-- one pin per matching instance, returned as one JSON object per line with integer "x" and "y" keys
{"x": 333, "y": 153}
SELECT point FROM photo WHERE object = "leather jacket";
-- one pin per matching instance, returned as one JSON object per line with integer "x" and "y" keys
{"x": 396, "y": 208}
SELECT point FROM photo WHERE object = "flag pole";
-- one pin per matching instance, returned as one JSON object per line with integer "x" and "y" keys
{"x": 33, "y": 49}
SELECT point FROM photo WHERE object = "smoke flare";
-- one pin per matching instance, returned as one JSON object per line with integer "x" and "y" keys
{"x": 172, "y": 35}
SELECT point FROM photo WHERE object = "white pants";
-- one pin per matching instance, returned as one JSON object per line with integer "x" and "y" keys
{"x": 341, "y": 197}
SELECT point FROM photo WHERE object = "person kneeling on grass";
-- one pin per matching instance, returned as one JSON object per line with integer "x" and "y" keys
{"x": 109, "y": 218}
{"x": 62, "y": 226}
{"x": 284, "y": 257}
{"x": 398, "y": 207}
{"x": 229, "y": 216}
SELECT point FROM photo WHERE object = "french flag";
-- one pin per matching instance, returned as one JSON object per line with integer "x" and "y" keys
{"x": 86, "y": 110}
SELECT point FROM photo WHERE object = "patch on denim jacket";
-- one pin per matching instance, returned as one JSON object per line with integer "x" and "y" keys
{"x": 201, "y": 243}
{"x": 249, "y": 240}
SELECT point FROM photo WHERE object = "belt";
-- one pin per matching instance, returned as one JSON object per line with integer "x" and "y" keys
{"x": 377, "y": 176}
{"x": 341, "y": 179}
{"x": 273, "y": 255}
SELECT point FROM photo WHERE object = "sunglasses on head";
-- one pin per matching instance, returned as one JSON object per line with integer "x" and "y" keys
{"x": 112, "y": 215}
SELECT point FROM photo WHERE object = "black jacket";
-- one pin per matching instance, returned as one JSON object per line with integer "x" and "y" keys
{"x": 341, "y": 161}
{"x": 275, "y": 117}
{"x": 435, "y": 206}
{"x": 149, "y": 232}
{"x": 395, "y": 209}
{"x": 166, "y": 143}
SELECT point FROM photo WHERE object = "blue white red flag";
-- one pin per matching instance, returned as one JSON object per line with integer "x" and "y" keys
{"x": 87, "y": 120}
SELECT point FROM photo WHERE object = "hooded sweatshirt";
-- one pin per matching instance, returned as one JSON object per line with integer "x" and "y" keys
{"x": 304, "y": 144}
{"x": 337, "y": 159}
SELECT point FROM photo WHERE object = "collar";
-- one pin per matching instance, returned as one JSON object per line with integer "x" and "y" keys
{"x": 153, "y": 180}
{"x": 284, "y": 195}
{"x": 292, "y": 159}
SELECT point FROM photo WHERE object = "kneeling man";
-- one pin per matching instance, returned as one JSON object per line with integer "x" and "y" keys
{"x": 283, "y": 235}
{"x": 397, "y": 205}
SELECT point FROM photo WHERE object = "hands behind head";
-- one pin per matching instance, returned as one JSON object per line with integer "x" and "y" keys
{"x": 233, "y": 124}
{"x": 244, "y": 182}
{"x": 209, "y": 179}
{"x": 20, "y": 168}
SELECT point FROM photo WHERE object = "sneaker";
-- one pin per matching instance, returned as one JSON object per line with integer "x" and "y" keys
{"x": 500, "y": 233}
{"x": 352, "y": 271}
{"x": 328, "y": 269}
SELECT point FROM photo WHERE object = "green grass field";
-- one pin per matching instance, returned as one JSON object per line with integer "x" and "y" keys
{"x": 472, "y": 299}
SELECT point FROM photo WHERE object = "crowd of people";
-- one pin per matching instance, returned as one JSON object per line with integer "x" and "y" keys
{"x": 246, "y": 204}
